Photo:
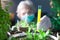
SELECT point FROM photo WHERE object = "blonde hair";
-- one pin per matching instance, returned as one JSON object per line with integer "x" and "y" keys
{"x": 27, "y": 2}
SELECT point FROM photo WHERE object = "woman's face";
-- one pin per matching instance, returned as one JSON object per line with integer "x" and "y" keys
{"x": 24, "y": 10}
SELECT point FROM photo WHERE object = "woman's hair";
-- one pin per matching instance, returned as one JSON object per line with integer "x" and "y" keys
{"x": 27, "y": 2}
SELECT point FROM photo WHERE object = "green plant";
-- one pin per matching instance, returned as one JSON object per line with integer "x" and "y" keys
{"x": 55, "y": 23}
{"x": 24, "y": 24}
{"x": 55, "y": 20}
{"x": 34, "y": 35}
{"x": 4, "y": 24}
{"x": 37, "y": 35}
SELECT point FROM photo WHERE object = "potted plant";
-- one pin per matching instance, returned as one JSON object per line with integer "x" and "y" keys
{"x": 23, "y": 26}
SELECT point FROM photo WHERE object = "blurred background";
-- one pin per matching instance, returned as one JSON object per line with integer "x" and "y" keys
{"x": 8, "y": 13}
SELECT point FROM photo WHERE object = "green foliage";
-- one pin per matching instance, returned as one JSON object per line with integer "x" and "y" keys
{"x": 34, "y": 35}
{"x": 56, "y": 7}
{"x": 56, "y": 2}
{"x": 55, "y": 19}
{"x": 24, "y": 24}
{"x": 37, "y": 35}
{"x": 4, "y": 24}
{"x": 56, "y": 23}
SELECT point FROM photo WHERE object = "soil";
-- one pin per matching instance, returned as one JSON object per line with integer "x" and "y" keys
{"x": 23, "y": 29}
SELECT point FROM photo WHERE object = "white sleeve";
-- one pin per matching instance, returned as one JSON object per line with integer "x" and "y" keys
{"x": 45, "y": 23}
{"x": 12, "y": 28}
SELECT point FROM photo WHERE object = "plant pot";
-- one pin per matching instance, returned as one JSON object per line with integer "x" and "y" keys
{"x": 23, "y": 29}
